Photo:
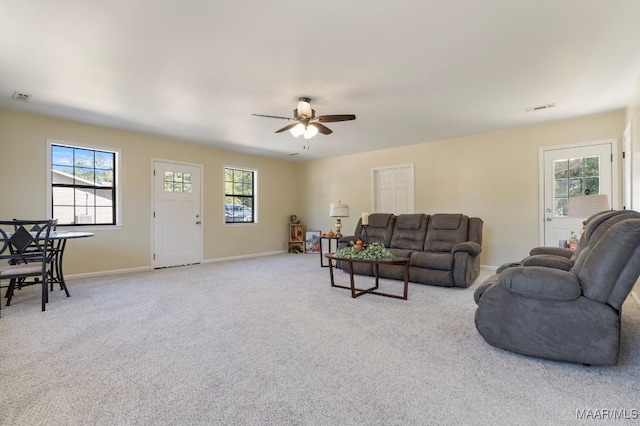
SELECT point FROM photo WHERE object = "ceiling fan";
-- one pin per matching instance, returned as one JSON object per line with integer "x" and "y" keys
{"x": 305, "y": 122}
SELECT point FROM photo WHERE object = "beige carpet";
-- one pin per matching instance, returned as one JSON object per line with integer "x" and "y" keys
{"x": 267, "y": 341}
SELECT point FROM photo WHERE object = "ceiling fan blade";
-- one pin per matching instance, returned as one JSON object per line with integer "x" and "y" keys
{"x": 334, "y": 118}
{"x": 272, "y": 116}
{"x": 287, "y": 127}
{"x": 322, "y": 128}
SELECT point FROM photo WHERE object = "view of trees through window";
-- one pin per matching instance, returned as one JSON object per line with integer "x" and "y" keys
{"x": 575, "y": 177}
{"x": 82, "y": 186}
{"x": 239, "y": 191}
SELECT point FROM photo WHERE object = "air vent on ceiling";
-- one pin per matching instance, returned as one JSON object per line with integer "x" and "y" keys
{"x": 21, "y": 96}
{"x": 538, "y": 108}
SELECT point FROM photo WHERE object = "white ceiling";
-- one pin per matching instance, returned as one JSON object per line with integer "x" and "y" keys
{"x": 411, "y": 71}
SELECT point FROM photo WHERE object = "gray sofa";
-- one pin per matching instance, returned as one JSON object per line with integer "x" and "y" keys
{"x": 564, "y": 315}
{"x": 443, "y": 249}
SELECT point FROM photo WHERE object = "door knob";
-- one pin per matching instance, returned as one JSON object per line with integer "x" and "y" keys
{"x": 549, "y": 219}
{"x": 198, "y": 223}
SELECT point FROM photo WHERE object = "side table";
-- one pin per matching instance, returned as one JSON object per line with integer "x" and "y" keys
{"x": 328, "y": 249}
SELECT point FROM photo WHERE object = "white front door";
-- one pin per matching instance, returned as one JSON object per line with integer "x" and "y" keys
{"x": 393, "y": 189}
{"x": 177, "y": 216}
{"x": 570, "y": 172}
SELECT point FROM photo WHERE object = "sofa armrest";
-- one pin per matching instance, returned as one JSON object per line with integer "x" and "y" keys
{"x": 348, "y": 238}
{"x": 470, "y": 247}
{"x": 345, "y": 241}
{"x": 548, "y": 261}
{"x": 538, "y": 282}
{"x": 554, "y": 251}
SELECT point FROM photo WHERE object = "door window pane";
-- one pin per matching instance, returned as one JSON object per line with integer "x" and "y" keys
{"x": 574, "y": 177}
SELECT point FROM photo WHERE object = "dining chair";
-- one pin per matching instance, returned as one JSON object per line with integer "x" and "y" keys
{"x": 52, "y": 254}
{"x": 24, "y": 253}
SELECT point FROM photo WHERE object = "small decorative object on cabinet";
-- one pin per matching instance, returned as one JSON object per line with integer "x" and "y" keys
{"x": 296, "y": 238}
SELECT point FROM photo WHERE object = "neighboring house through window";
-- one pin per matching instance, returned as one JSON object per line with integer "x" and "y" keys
{"x": 83, "y": 184}
{"x": 240, "y": 190}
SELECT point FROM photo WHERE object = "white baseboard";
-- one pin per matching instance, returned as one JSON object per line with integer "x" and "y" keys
{"x": 489, "y": 268}
{"x": 243, "y": 256}
{"x": 104, "y": 273}
{"x": 149, "y": 268}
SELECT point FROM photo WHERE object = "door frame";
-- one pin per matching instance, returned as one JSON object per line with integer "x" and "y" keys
{"x": 615, "y": 176}
{"x": 153, "y": 201}
{"x": 627, "y": 168}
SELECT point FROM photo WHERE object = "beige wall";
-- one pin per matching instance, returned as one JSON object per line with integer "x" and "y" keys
{"x": 492, "y": 176}
{"x": 633, "y": 117}
{"x": 22, "y": 173}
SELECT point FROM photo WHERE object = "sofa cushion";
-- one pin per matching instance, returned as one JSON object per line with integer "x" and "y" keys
{"x": 401, "y": 252}
{"x": 612, "y": 265}
{"x": 409, "y": 221}
{"x": 409, "y": 231}
{"x": 432, "y": 260}
{"x": 442, "y": 235}
{"x": 446, "y": 221}
{"x": 379, "y": 220}
{"x": 379, "y": 230}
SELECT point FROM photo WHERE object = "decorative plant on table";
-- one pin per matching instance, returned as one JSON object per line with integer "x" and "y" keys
{"x": 373, "y": 251}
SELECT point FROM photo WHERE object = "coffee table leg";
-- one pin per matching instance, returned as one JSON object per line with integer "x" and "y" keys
{"x": 376, "y": 271}
{"x": 331, "y": 272}
{"x": 353, "y": 286}
{"x": 406, "y": 281}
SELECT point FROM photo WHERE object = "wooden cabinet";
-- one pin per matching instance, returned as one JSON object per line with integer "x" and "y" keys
{"x": 296, "y": 238}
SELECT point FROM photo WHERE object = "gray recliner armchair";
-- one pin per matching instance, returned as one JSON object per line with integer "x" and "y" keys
{"x": 564, "y": 315}
{"x": 562, "y": 258}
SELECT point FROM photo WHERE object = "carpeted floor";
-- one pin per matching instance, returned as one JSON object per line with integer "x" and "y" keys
{"x": 267, "y": 341}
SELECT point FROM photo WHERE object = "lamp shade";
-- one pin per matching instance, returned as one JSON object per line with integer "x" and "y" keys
{"x": 339, "y": 210}
{"x": 310, "y": 131}
{"x": 297, "y": 130}
{"x": 587, "y": 205}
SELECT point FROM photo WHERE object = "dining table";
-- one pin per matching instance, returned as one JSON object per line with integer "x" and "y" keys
{"x": 59, "y": 242}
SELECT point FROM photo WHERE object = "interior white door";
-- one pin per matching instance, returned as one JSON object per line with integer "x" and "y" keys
{"x": 177, "y": 217}
{"x": 570, "y": 172}
{"x": 393, "y": 189}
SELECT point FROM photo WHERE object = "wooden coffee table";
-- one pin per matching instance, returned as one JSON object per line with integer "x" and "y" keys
{"x": 355, "y": 292}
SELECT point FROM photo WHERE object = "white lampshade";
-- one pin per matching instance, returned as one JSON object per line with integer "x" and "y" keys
{"x": 339, "y": 210}
{"x": 587, "y": 205}
{"x": 297, "y": 130}
{"x": 310, "y": 132}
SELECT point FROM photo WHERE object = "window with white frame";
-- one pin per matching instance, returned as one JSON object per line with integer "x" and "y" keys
{"x": 240, "y": 190}
{"x": 84, "y": 184}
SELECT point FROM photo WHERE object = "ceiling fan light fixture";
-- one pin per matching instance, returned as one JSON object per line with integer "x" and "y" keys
{"x": 297, "y": 130}
{"x": 310, "y": 132}
{"x": 304, "y": 107}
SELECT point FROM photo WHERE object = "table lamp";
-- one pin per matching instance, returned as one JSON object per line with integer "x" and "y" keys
{"x": 338, "y": 210}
